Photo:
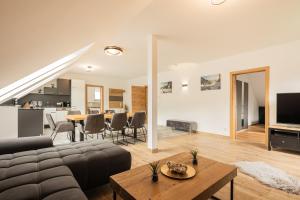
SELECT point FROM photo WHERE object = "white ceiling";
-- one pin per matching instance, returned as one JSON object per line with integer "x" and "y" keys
{"x": 35, "y": 33}
{"x": 195, "y": 31}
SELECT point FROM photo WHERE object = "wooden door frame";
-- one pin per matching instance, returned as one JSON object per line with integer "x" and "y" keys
{"x": 101, "y": 100}
{"x": 233, "y": 79}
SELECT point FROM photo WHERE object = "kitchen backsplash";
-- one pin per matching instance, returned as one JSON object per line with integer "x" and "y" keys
{"x": 48, "y": 100}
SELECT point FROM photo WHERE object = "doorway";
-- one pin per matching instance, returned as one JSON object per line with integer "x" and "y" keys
{"x": 249, "y": 105}
{"x": 94, "y": 98}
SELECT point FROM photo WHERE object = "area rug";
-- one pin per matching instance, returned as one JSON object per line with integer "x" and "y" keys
{"x": 270, "y": 176}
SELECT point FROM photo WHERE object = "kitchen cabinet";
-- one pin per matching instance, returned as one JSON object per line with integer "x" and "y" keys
{"x": 63, "y": 87}
{"x": 61, "y": 115}
{"x": 50, "y": 90}
{"x": 57, "y": 115}
{"x": 30, "y": 122}
{"x": 9, "y": 122}
{"x": 51, "y": 111}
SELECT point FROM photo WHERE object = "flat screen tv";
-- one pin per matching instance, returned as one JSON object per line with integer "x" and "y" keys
{"x": 288, "y": 108}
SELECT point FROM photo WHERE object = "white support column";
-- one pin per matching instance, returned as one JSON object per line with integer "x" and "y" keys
{"x": 152, "y": 93}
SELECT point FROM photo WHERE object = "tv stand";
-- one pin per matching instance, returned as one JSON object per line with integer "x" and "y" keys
{"x": 284, "y": 137}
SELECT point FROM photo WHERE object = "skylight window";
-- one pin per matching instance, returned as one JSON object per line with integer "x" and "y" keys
{"x": 27, "y": 83}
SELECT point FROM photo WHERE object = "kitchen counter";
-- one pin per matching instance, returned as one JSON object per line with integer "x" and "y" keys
{"x": 31, "y": 108}
{"x": 30, "y": 122}
{"x": 43, "y": 108}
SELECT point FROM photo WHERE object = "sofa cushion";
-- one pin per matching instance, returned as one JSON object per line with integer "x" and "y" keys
{"x": 49, "y": 172}
{"x": 92, "y": 162}
{"x": 40, "y": 184}
{"x": 24, "y": 144}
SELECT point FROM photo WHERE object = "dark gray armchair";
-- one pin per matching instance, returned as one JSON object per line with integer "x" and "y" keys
{"x": 59, "y": 127}
{"x": 94, "y": 124}
{"x": 138, "y": 123}
{"x": 118, "y": 125}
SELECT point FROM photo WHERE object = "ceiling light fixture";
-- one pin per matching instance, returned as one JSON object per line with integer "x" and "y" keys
{"x": 113, "y": 51}
{"x": 89, "y": 68}
{"x": 217, "y": 2}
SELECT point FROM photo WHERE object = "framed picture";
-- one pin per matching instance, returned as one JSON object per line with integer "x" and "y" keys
{"x": 166, "y": 87}
{"x": 211, "y": 82}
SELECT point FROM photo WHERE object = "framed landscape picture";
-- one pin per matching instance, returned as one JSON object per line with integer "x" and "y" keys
{"x": 211, "y": 82}
{"x": 166, "y": 87}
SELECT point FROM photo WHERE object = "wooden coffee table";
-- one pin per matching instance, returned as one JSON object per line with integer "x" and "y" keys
{"x": 211, "y": 176}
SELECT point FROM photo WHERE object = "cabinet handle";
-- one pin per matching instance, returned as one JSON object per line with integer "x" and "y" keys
{"x": 282, "y": 141}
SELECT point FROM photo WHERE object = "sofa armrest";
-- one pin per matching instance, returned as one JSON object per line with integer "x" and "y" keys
{"x": 8, "y": 146}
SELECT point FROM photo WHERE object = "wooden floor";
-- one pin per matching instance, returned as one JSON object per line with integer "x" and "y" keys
{"x": 254, "y": 134}
{"x": 222, "y": 149}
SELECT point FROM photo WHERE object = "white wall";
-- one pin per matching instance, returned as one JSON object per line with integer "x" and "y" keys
{"x": 211, "y": 108}
{"x": 257, "y": 81}
{"x": 256, "y": 84}
{"x": 9, "y": 123}
{"x": 106, "y": 82}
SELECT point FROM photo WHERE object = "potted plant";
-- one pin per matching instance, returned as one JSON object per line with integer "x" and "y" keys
{"x": 154, "y": 168}
{"x": 194, "y": 154}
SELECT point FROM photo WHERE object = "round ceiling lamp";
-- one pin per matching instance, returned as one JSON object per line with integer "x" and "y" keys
{"x": 217, "y": 2}
{"x": 89, "y": 69}
{"x": 113, "y": 51}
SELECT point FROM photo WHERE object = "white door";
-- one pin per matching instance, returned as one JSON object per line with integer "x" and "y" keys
{"x": 61, "y": 115}
{"x": 51, "y": 111}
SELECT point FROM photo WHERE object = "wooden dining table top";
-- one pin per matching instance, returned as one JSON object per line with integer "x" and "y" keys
{"x": 84, "y": 116}
{"x": 210, "y": 177}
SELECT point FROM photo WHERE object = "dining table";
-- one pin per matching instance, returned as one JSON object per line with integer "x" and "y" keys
{"x": 81, "y": 118}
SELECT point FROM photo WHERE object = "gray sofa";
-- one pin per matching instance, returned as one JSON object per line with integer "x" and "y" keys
{"x": 32, "y": 168}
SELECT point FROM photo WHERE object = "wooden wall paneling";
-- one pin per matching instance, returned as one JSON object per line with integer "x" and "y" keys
{"x": 116, "y": 98}
{"x": 139, "y": 98}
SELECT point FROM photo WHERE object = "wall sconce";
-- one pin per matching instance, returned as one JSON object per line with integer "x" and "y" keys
{"x": 217, "y": 2}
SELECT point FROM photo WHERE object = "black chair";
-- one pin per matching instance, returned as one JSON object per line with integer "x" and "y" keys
{"x": 118, "y": 125}
{"x": 138, "y": 123}
{"x": 94, "y": 124}
{"x": 59, "y": 127}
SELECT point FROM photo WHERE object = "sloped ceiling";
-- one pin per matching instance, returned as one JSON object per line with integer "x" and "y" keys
{"x": 35, "y": 33}
{"x": 258, "y": 84}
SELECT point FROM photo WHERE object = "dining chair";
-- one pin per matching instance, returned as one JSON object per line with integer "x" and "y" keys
{"x": 94, "y": 125}
{"x": 118, "y": 125}
{"x": 59, "y": 127}
{"x": 138, "y": 123}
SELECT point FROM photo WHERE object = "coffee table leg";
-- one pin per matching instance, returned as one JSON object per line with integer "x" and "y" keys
{"x": 231, "y": 190}
{"x": 114, "y": 195}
